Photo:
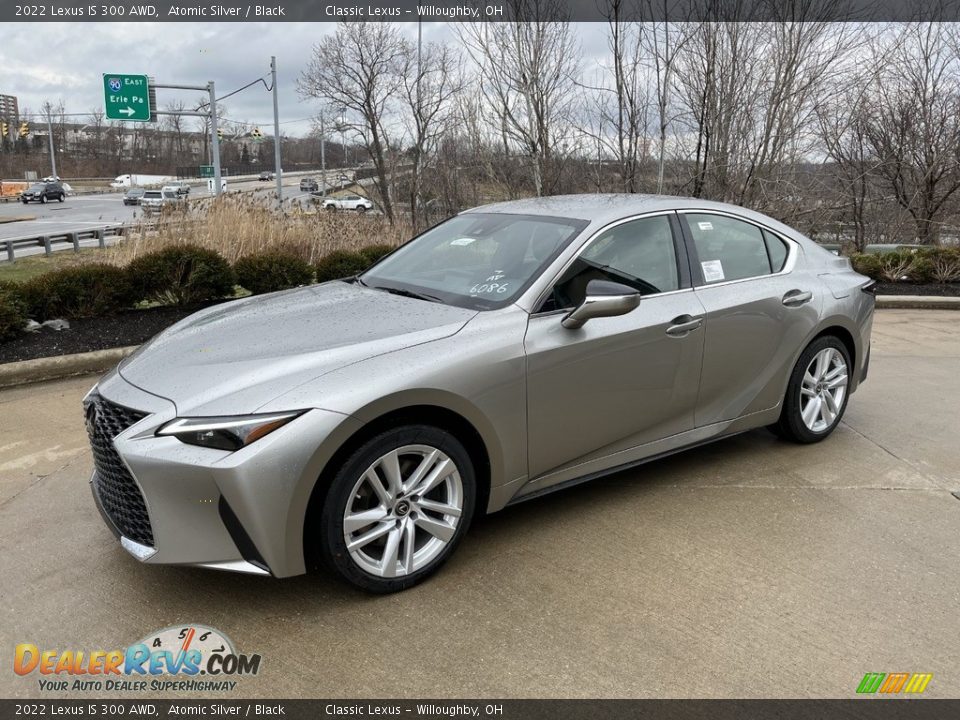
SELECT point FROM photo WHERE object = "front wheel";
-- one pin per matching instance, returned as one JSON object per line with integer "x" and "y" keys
{"x": 816, "y": 393}
{"x": 43, "y": 199}
{"x": 361, "y": 209}
{"x": 398, "y": 508}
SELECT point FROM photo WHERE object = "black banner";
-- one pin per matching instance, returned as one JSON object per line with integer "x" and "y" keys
{"x": 472, "y": 10}
{"x": 865, "y": 708}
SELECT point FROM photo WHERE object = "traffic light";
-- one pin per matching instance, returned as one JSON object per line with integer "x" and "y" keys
{"x": 24, "y": 129}
{"x": 220, "y": 134}
{"x": 257, "y": 135}
{"x": 4, "y": 129}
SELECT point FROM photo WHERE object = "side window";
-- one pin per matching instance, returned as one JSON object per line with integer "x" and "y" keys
{"x": 639, "y": 253}
{"x": 777, "y": 250}
{"x": 728, "y": 249}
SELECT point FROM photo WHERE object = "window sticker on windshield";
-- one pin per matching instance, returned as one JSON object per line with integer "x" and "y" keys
{"x": 712, "y": 270}
{"x": 705, "y": 225}
{"x": 462, "y": 241}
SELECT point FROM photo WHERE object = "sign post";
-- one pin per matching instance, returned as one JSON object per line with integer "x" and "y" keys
{"x": 126, "y": 97}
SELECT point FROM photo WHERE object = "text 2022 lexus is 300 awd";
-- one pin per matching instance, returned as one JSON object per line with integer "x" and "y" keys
{"x": 507, "y": 352}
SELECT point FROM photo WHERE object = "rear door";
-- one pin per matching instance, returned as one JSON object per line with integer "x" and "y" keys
{"x": 760, "y": 305}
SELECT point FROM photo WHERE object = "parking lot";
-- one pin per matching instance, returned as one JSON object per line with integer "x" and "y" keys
{"x": 746, "y": 568}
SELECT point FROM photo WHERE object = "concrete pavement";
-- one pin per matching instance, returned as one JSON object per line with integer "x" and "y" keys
{"x": 747, "y": 568}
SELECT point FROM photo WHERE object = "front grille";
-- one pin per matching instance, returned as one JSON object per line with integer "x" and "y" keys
{"x": 115, "y": 487}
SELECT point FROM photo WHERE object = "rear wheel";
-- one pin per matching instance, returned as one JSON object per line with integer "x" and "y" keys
{"x": 398, "y": 508}
{"x": 817, "y": 392}
{"x": 60, "y": 197}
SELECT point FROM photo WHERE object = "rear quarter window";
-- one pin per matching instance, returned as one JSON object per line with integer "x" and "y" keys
{"x": 727, "y": 248}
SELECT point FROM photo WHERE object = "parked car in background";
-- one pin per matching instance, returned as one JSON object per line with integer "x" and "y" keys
{"x": 132, "y": 196}
{"x": 512, "y": 350}
{"x": 266, "y": 176}
{"x": 348, "y": 202}
{"x": 309, "y": 185}
{"x": 43, "y": 191}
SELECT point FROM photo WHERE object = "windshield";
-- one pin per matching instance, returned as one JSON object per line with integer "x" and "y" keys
{"x": 37, "y": 187}
{"x": 476, "y": 260}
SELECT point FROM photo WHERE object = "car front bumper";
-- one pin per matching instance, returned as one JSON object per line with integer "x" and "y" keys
{"x": 242, "y": 511}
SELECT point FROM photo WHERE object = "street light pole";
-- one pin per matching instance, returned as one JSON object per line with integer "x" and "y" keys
{"x": 214, "y": 140}
{"x": 276, "y": 133}
{"x": 53, "y": 159}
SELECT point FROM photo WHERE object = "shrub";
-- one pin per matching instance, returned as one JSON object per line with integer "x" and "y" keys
{"x": 181, "y": 275}
{"x": 340, "y": 264}
{"x": 373, "y": 253}
{"x": 866, "y": 264}
{"x": 272, "y": 271}
{"x": 900, "y": 265}
{"x": 943, "y": 264}
{"x": 13, "y": 314}
{"x": 77, "y": 292}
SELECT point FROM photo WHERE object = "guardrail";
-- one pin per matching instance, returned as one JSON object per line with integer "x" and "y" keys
{"x": 73, "y": 236}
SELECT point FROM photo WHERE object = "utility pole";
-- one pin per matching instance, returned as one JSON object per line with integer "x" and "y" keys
{"x": 323, "y": 153}
{"x": 53, "y": 159}
{"x": 276, "y": 133}
{"x": 214, "y": 141}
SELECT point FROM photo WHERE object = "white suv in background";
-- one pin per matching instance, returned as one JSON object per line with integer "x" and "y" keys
{"x": 348, "y": 202}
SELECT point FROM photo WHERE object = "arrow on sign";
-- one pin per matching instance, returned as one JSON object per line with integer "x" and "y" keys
{"x": 128, "y": 111}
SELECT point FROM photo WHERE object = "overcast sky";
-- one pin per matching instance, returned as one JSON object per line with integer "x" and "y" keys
{"x": 61, "y": 61}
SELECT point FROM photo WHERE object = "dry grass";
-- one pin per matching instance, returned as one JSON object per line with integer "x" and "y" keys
{"x": 236, "y": 225}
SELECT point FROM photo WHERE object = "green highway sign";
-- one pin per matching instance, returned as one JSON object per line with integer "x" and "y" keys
{"x": 126, "y": 97}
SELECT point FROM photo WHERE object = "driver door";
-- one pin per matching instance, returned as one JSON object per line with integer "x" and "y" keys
{"x": 617, "y": 382}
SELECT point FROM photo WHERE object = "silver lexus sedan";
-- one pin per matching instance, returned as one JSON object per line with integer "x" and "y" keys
{"x": 510, "y": 351}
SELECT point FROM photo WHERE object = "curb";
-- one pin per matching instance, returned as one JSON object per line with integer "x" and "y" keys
{"x": 917, "y": 302}
{"x": 61, "y": 366}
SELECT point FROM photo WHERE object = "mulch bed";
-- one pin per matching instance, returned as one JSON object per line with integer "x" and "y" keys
{"x": 132, "y": 327}
{"x": 904, "y": 288}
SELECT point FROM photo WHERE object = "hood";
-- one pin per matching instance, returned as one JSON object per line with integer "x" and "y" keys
{"x": 233, "y": 358}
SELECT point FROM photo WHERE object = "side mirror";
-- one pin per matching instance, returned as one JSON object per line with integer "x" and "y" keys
{"x": 604, "y": 299}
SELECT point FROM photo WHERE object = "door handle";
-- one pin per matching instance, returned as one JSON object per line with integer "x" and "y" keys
{"x": 682, "y": 325}
{"x": 796, "y": 298}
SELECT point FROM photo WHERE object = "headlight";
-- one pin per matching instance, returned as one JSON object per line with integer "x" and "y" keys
{"x": 226, "y": 433}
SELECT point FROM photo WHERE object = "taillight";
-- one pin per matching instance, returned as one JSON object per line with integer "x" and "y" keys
{"x": 870, "y": 288}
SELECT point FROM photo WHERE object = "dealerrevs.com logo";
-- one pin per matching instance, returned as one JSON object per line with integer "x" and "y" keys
{"x": 181, "y": 657}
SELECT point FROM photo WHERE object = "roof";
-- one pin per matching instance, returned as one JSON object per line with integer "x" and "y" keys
{"x": 602, "y": 208}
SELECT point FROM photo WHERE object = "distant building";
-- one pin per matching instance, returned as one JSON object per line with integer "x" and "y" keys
{"x": 9, "y": 110}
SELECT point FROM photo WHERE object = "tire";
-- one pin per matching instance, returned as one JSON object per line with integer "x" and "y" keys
{"x": 361, "y": 209}
{"x": 43, "y": 199}
{"x": 330, "y": 208}
{"x": 398, "y": 517}
{"x": 815, "y": 402}
{"x": 24, "y": 201}
{"x": 60, "y": 198}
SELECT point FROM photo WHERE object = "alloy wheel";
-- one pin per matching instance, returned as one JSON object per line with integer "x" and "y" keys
{"x": 403, "y": 511}
{"x": 823, "y": 389}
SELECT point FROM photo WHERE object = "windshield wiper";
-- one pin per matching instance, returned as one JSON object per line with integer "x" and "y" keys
{"x": 407, "y": 293}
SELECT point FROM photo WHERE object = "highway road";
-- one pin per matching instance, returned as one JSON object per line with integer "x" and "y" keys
{"x": 84, "y": 212}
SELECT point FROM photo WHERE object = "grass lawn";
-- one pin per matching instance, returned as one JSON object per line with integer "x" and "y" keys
{"x": 32, "y": 265}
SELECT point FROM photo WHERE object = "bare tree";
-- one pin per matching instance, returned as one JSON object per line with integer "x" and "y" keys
{"x": 431, "y": 77}
{"x": 913, "y": 124}
{"x": 357, "y": 68}
{"x": 526, "y": 71}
